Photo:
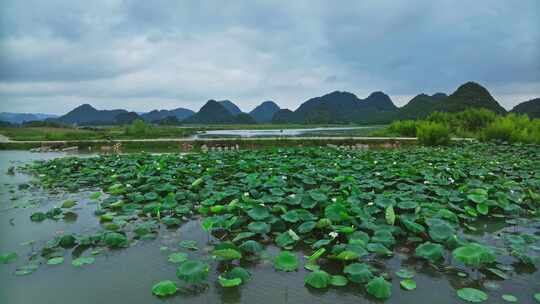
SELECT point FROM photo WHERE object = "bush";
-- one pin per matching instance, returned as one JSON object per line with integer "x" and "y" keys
{"x": 513, "y": 128}
{"x": 403, "y": 128}
{"x": 137, "y": 128}
{"x": 432, "y": 134}
{"x": 473, "y": 120}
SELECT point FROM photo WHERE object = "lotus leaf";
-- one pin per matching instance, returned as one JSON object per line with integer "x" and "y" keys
{"x": 358, "y": 273}
{"x": 192, "y": 271}
{"x": 430, "y": 251}
{"x": 474, "y": 255}
{"x": 164, "y": 288}
{"x": 379, "y": 288}
{"x": 318, "y": 279}
{"x": 177, "y": 257}
{"x": 286, "y": 261}
{"x": 472, "y": 295}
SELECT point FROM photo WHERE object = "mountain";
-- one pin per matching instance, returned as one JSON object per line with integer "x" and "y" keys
{"x": 265, "y": 111}
{"x": 87, "y": 115}
{"x": 531, "y": 108}
{"x": 212, "y": 112}
{"x": 126, "y": 118}
{"x": 283, "y": 116}
{"x": 380, "y": 101}
{"x": 342, "y": 107}
{"x": 231, "y": 107}
{"x": 156, "y": 115}
{"x": 19, "y": 118}
{"x": 420, "y": 106}
{"x": 469, "y": 95}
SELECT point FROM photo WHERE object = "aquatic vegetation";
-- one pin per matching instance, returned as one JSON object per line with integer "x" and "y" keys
{"x": 8, "y": 257}
{"x": 164, "y": 288}
{"x": 354, "y": 209}
{"x": 472, "y": 295}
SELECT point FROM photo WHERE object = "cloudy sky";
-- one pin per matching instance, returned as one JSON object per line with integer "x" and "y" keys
{"x": 141, "y": 55}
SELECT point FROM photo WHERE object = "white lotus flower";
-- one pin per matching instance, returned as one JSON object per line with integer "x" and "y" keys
{"x": 334, "y": 199}
{"x": 333, "y": 234}
{"x": 426, "y": 182}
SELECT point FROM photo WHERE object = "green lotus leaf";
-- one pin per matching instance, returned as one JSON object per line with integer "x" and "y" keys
{"x": 338, "y": 280}
{"x": 171, "y": 221}
{"x": 189, "y": 244}
{"x": 378, "y": 249}
{"x": 318, "y": 196}
{"x": 509, "y": 298}
{"x": 69, "y": 204}
{"x": 286, "y": 261}
{"x": 8, "y": 257}
{"x": 259, "y": 227}
{"x": 226, "y": 254}
{"x": 430, "y": 251}
{"x": 306, "y": 227}
{"x": 193, "y": 271}
{"x": 251, "y": 246}
{"x": 164, "y": 288}
{"x": 224, "y": 282}
{"x": 291, "y": 216}
{"x": 177, "y": 257}
{"x": 472, "y": 295}
{"x": 347, "y": 255}
{"x": 317, "y": 279}
{"x": 384, "y": 237}
{"x": 239, "y": 272}
{"x": 440, "y": 230}
{"x": 115, "y": 240}
{"x": 38, "y": 217}
{"x": 379, "y": 288}
{"x": 287, "y": 239}
{"x": 67, "y": 241}
{"x": 482, "y": 208}
{"x": 55, "y": 261}
{"x": 408, "y": 284}
{"x": 83, "y": 261}
{"x": 405, "y": 273}
{"x": 336, "y": 213}
{"x": 407, "y": 205}
{"x": 412, "y": 226}
{"x": 258, "y": 213}
{"x": 358, "y": 273}
{"x": 474, "y": 255}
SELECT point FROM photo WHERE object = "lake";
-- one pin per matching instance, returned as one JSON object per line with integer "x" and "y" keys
{"x": 127, "y": 275}
{"x": 308, "y": 132}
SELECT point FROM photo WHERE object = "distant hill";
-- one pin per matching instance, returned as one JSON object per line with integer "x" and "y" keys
{"x": 87, "y": 115}
{"x": 214, "y": 112}
{"x": 231, "y": 107}
{"x": 420, "y": 106}
{"x": 531, "y": 108}
{"x": 341, "y": 107}
{"x": 157, "y": 115}
{"x": 283, "y": 116}
{"x": 380, "y": 101}
{"x": 19, "y": 118}
{"x": 469, "y": 95}
{"x": 265, "y": 111}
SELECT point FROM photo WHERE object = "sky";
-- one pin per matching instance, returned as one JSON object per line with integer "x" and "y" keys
{"x": 164, "y": 54}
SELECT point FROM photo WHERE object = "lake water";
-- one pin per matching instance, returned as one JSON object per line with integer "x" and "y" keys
{"x": 127, "y": 275}
{"x": 309, "y": 132}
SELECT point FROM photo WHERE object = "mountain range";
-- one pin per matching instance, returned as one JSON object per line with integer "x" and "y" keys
{"x": 19, "y": 118}
{"x": 337, "y": 107}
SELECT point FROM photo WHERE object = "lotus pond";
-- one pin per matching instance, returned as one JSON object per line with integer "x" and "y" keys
{"x": 428, "y": 225}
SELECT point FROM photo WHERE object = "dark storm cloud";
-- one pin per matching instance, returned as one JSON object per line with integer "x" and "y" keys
{"x": 154, "y": 54}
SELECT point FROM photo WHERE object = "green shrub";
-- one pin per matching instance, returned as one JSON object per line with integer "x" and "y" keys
{"x": 433, "y": 134}
{"x": 403, "y": 128}
{"x": 513, "y": 128}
